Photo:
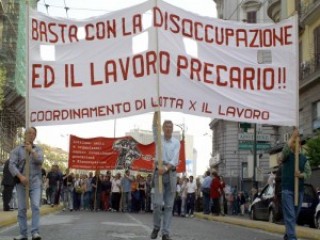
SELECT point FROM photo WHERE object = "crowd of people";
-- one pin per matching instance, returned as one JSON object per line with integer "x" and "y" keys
{"x": 217, "y": 200}
{"x": 101, "y": 192}
{"x": 129, "y": 193}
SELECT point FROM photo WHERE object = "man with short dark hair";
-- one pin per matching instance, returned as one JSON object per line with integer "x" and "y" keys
{"x": 170, "y": 159}
{"x": 215, "y": 193}
{"x": 126, "y": 191}
{"x": 17, "y": 166}
{"x": 206, "y": 192}
{"x": 191, "y": 196}
{"x": 54, "y": 182}
{"x": 290, "y": 211}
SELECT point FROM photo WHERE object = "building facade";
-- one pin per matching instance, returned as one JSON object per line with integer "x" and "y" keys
{"x": 232, "y": 154}
{"x": 251, "y": 11}
{"x": 309, "y": 59}
{"x": 232, "y": 142}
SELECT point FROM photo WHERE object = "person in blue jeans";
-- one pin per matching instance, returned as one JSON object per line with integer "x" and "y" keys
{"x": 17, "y": 168}
{"x": 165, "y": 199}
{"x": 290, "y": 211}
{"x": 126, "y": 191}
{"x": 206, "y": 192}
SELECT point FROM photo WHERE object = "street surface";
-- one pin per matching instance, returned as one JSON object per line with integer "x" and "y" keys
{"x": 87, "y": 225}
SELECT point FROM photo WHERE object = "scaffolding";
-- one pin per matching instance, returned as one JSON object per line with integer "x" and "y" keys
{"x": 12, "y": 59}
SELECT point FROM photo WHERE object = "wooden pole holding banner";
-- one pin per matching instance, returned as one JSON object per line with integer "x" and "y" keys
{"x": 95, "y": 192}
{"x": 27, "y": 164}
{"x": 296, "y": 169}
{"x": 159, "y": 142}
{"x": 159, "y": 146}
{"x": 27, "y": 172}
{"x": 95, "y": 195}
{"x": 297, "y": 142}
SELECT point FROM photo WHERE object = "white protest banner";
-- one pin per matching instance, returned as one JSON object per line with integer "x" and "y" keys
{"x": 234, "y": 71}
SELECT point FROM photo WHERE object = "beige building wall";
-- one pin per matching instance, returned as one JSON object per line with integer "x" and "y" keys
{"x": 307, "y": 40}
{"x": 309, "y": 70}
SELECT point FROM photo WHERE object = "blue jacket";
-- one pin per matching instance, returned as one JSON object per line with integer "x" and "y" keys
{"x": 17, "y": 163}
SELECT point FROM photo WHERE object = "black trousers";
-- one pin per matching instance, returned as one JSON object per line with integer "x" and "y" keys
{"x": 6, "y": 196}
{"x": 177, "y": 206}
{"x": 190, "y": 203}
{"x": 215, "y": 209}
{"x": 115, "y": 200}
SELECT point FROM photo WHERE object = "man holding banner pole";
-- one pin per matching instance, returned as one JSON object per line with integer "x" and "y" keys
{"x": 289, "y": 173}
{"x": 169, "y": 158}
{"x": 28, "y": 182}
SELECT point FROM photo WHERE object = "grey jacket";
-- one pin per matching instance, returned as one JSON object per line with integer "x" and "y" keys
{"x": 18, "y": 159}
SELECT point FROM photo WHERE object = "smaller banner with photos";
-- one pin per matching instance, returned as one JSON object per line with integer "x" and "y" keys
{"x": 103, "y": 153}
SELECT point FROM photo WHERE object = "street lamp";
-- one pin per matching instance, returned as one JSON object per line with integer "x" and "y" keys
{"x": 182, "y": 127}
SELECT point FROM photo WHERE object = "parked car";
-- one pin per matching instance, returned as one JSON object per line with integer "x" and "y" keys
{"x": 317, "y": 217}
{"x": 267, "y": 206}
{"x": 309, "y": 205}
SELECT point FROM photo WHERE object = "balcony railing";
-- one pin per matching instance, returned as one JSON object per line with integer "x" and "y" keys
{"x": 307, "y": 8}
{"x": 309, "y": 70}
{"x": 309, "y": 67}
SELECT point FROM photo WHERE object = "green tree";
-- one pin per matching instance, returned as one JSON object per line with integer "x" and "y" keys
{"x": 2, "y": 85}
{"x": 54, "y": 155}
{"x": 313, "y": 150}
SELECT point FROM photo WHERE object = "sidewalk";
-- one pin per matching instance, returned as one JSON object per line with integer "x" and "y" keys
{"x": 10, "y": 217}
{"x": 302, "y": 232}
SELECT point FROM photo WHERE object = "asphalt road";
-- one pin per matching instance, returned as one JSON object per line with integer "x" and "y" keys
{"x": 118, "y": 226}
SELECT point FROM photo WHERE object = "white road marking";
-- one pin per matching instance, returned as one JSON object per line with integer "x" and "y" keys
{"x": 147, "y": 228}
{"x": 121, "y": 224}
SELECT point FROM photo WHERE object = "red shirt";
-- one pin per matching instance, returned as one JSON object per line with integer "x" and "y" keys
{"x": 215, "y": 188}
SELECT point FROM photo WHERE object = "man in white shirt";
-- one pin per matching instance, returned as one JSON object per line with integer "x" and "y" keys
{"x": 170, "y": 159}
{"x": 191, "y": 196}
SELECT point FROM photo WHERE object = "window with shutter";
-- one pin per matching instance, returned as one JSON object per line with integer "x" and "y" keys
{"x": 252, "y": 17}
{"x": 316, "y": 115}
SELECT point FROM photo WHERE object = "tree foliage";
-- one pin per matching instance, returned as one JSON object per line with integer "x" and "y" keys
{"x": 313, "y": 150}
{"x": 54, "y": 155}
{"x": 2, "y": 85}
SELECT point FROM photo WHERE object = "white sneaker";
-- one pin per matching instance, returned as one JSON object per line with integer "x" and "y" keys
{"x": 63, "y": 209}
{"x": 187, "y": 215}
{"x": 36, "y": 236}
{"x": 191, "y": 215}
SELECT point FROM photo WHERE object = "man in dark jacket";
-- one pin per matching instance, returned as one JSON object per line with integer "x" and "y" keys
{"x": 8, "y": 185}
{"x": 288, "y": 174}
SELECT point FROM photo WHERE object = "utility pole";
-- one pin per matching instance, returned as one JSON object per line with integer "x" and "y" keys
{"x": 254, "y": 178}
